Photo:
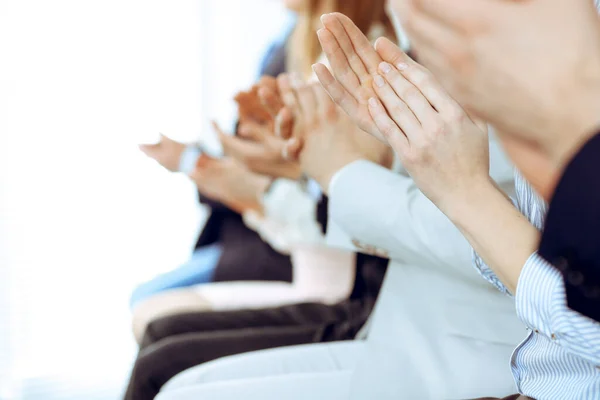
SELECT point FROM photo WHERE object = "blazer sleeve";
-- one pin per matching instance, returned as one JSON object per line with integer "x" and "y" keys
{"x": 389, "y": 216}
{"x": 386, "y": 212}
{"x": 571, "y": 238}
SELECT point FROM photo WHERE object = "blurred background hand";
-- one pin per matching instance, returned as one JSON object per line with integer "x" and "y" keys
{"x": 167, "y": 152}
{"x": 229, "y": 182}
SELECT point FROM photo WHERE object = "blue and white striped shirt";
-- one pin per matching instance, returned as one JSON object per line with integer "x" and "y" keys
{"x": 560, "y": 358}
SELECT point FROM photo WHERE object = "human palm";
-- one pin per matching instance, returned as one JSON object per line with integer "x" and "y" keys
{"x": 353, "y": 61}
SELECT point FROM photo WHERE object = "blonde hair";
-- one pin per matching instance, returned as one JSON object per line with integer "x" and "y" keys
{"x": 304, "y": 48}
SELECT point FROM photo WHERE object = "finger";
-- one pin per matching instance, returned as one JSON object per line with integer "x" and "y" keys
{"x": 435, "y": 62}
{"x": 391, "y": 53}
{"x": 240, "y": 149}
{"x": 287, "y": 93}
{"x": 340, "y": 65}
{"x": 217, "y": 128}
{"x": 253, "y": 131}
{"x": 397, "y": 109}
{"x": 336, "y": 91}
{"x": 360, "y": 43}
{"x": 149, "y": 149}
{"x": 203, "y": 161}
{"x": 308, "y": 102}
{"x": 334, "y": 25}
{"x": 291, "y": 149}
{"x": 284, "y": 123}
{"x": 394, "y": 136}
{"x": 268, "y": 82}
{"x": 424, "y": 80}
{"x": 324, "y": 101}
{"x": 410, "y": 95}
{"x": 294, "y": 147}
{"x": 270, "y": 99}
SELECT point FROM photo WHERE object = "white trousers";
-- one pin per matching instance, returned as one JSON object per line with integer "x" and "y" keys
{"x": 432, "y": 337}
{"x": 313, "y": 371}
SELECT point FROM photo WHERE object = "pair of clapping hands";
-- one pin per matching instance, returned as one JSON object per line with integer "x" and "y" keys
{"x": 384, "y": 93}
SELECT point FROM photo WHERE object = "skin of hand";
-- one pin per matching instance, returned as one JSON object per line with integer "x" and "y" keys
{"x": 446, "y": 153}
{"x": 353, "y": 63}
{"x": 259, "y": 150}
{"x": 229, "y": 182}
{"x": 530, "y": 68}
{"x": 269, "y": 96}
{"x": 330, "y": 139}
{"x": 250, "y": 108}
{"x": 443, "y": 149}
{"x": 167, "y": 152}
{"x": 272, "y": 101}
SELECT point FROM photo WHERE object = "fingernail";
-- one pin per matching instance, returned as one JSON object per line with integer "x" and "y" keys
{"x": 373, "y": 102}
{"x": 402, "y": 66}
{"x": 385, "y": 67}
{"x": 379, "y": 81}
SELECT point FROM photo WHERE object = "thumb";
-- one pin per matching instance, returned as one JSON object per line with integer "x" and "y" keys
{"x": 284, "y": 123}
{"x": 149, "y": 149}
{"x": 217, "y": 128}
{"x": 203, "y": 161}
{"x": 252, "y": 131}
{"x": 291, "y": 149}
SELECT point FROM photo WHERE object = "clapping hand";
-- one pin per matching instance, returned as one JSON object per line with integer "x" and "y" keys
{"x": 530, "y": 68}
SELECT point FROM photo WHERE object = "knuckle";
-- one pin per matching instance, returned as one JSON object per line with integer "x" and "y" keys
{"x": 436, "y": 129}
{"x": 399, "y": 108}
{"x": 455, "y": 115}
{"x": 409, "y": 92}
{"x": 420, "y": 76}
{"x": 387, "y": 129}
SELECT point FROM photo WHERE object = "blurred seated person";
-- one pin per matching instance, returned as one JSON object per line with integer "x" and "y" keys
{"x": 273, "y": 201}
{"x": 335, "y": 289}
{"x": 437, "y": 330}
{"x": 226, "y": 249}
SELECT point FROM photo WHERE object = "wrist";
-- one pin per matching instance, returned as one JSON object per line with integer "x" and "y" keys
{"x": 325, "y": 173}
{"x": 291, "y": 171}
{"x": 260, "y": 184}
{"x": 187, "y": 159}
{"x": 459, "y": 205}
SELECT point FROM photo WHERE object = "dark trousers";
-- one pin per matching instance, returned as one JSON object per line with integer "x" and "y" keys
{"x": 176, "y": 343}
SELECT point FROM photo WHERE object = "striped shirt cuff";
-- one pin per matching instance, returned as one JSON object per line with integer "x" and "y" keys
{"x": 540, "y": 286}
{"x": 189, "y": 157}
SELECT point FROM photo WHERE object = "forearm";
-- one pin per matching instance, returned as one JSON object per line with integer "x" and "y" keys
{"x": 496, "y": 230}
{"x": 283, "y": 170}
{"x": 246, "y": 196}
{"x": 253, "y": 194}
{"x": 324, "y": 172}
{"x": 392, "y": 215}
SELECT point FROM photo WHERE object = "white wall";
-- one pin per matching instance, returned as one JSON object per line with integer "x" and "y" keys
{"x": 83, "y": 215}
